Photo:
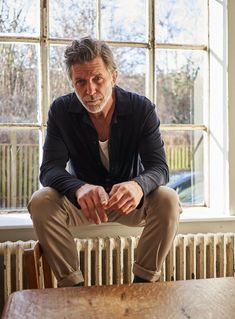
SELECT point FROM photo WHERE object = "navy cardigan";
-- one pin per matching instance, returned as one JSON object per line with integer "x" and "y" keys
{"x": 71, "y": 149}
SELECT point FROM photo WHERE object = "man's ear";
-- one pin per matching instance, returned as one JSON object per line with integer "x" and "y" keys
{"x": 114, "y": 77}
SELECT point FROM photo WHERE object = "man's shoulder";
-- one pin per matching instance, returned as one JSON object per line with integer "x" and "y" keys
{"x": 63, "y": 100}
{"x": 66, "y": 105}
{"x": 133, "y": 99}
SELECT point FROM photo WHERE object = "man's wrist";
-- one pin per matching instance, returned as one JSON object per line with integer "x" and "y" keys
{"x": 138, "y": 186}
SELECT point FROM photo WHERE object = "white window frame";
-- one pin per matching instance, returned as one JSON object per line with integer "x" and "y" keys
{"x": 231, "y": 104}
{"x": 219, "y": 134}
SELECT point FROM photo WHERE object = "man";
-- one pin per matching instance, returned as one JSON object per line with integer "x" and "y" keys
{"x": 112, "y": 142}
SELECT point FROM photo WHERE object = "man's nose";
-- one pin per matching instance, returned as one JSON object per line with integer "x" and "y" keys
{"x": 91, "y": 88}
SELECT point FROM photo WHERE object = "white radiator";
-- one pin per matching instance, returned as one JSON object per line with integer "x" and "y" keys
{"x": 110, "y": 260}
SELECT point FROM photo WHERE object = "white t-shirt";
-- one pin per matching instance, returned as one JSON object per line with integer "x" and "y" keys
{"x": 104, "y": 153}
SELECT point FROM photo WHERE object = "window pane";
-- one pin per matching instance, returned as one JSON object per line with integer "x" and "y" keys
{"x": 131, "y": 68}
{"x": 123, "y": 20}
{"x": 19, "y": 17}
{"x": 181, "y": 86}
{"x": 18, "y": 83}
{"x": 59, "y": 83}
{"x": 72, "y": 18}
{"x": 183, "y": 21}
{"x": 18, "y": 167}
{"x": 184, "y": 151}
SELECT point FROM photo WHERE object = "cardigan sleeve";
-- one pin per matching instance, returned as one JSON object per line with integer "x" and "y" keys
{"x": 53, "y": 170}
{"x": 152, "y": 155}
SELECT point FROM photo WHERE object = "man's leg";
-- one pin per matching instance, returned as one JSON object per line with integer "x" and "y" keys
{"x": 160, "y": 217}
{"x": 52, "y": 214}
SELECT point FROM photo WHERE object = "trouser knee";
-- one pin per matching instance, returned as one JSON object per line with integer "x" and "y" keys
{"x": 165, "y": 203}
{"x": 41, "y": 201}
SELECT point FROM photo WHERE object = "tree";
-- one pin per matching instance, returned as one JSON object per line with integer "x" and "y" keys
{"x": 18, "y": 63}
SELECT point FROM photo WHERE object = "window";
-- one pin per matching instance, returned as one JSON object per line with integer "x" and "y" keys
{"x": 168, "y": 50}
{"x": 181, "y": 30}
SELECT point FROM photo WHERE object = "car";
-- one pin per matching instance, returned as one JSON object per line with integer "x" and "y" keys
{"x": 189, "y": 185}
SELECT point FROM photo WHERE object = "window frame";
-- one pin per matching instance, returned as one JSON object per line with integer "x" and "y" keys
{"x": 215, "y": 170}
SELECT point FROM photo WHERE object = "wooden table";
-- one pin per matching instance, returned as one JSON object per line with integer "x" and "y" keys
{"x": 199, "y": 299}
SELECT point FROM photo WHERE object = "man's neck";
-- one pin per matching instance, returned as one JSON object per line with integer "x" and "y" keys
{"x": 102, "y": 120}
{"x": 106, "y": 113}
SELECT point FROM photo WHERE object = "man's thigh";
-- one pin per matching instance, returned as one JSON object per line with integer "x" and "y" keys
{"x": 156, "y": 204}
{"x": 48, "y": 203}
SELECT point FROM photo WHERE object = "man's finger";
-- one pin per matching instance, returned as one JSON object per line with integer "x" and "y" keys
{"x": 102, "y": 214}
{"x": 128, "y": 207}
{"x": 117, "y": 199}
{"x": 84, "y": 209}
{"x": 89, "y": 211}
{"x": 95, "y": 217}
{"x": 118, "y": 204}
{"x": 103, "y": 196}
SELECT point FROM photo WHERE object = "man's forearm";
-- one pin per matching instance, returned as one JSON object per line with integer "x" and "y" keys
{"x": 61, "y": 180}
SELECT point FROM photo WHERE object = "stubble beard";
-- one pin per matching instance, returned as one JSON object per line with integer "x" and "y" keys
{"x": 96, "y": 108}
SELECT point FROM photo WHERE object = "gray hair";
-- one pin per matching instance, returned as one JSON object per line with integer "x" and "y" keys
{"x": 87, "y": 49}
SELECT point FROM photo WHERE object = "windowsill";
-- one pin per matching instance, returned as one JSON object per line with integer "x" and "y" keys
{"x": 15, "y": 226}
{"x": 195, "y": 214}
{"x": 14, "y": 219}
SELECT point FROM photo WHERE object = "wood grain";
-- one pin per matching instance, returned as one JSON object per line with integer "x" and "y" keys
{"x": 189, "y": 299}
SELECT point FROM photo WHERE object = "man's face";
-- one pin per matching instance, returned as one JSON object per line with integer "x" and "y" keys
{"x": 93, "y": 84}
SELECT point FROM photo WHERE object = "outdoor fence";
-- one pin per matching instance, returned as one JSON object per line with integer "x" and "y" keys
{"x": 19, "y": 168}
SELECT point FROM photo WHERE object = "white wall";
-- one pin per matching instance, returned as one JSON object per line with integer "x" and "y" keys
{"x": 231, "y": 103}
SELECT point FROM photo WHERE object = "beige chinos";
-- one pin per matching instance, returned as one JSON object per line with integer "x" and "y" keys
{"x": 53, "y": 214}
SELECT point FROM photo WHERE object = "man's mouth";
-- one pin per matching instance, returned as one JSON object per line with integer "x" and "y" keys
{"x": 92, "y": 101}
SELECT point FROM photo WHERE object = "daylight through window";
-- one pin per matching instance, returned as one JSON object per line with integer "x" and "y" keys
{"x": 161, "y": 48}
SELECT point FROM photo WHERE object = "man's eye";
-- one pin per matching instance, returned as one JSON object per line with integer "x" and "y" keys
{"x": 98, "y": 78}
{"x": 80, "y": 82}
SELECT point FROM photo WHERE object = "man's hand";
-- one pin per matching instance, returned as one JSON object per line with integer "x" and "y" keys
{"x": 125, "y": 197}
{"x": 93, "y": 200}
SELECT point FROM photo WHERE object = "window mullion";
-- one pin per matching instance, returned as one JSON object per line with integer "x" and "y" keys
{"x": 98, "y": 21}
{"x": 151, "y": 82}
{"x": 44, "y": 61}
